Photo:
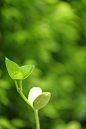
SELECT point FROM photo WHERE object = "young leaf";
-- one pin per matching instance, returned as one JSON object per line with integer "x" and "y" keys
{"x": 34, "y": 92}
{"x": 26, "y": 70}
{"x": 41, "y": 100}
{"x": 13, "y": 69}
{"x": 17, "y": 72}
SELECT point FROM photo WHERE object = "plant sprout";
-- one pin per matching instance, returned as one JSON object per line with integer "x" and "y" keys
{"x": 36, "y": 98}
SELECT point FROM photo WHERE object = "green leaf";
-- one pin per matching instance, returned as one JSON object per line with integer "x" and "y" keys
{"x": 34, "y": 92}
{"x": 26, "y": 70}
{"x": 13, "y": 69}
{"x": 41, "y": 100}
{"x": 17, "y": 72}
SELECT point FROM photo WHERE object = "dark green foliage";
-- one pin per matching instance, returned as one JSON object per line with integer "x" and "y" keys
{"x": 51, "y": 35}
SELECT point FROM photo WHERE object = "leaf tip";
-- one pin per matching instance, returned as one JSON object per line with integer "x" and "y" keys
{"x": 6, "y": 59}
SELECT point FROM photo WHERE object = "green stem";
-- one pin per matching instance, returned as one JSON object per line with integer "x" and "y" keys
{"x": 37, "y": 119}
{"x": 16, "y": 85}
{"x": 21, "y": 85}
{"x": 25, "y": 99}
{"x": 21, "y": 93}
{"x": 19, "y": 89}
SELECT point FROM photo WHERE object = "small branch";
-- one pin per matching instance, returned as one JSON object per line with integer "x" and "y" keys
{"x": 16, "y": 85}
{"x": 19, "y": 89}
{"x": 37, "y": 119}
{"x": 21, "y": 85}
{"x": 21, "y": 93}
{"x": 25, "y": 99}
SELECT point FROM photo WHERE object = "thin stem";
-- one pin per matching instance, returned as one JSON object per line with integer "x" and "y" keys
{"x": 37, "y": 119}
{"x": 21, "y": 93}
{"x": 21, "y": 85}
{"x": 16, "y": 85}
{"x": 25, "y": 99}
{"x": 19, "y": 89}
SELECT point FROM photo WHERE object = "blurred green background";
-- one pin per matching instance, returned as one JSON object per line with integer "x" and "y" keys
{"x": 51, "y": 35}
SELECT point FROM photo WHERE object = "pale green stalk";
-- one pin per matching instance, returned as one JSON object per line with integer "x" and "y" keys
{"x": 21, "y": 93}
{"x": 19, "y": 89}
{"x": 21, "y": 85}
{"x": 37, "y": 119}
{"x": 16, "y": 85}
